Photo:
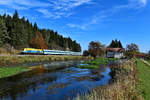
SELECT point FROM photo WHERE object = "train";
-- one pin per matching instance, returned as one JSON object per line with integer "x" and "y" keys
{"x": 48, "y": 52}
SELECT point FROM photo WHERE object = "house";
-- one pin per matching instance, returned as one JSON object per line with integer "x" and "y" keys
{"x": 114, "y": 52}
{"x": 143, "y": 56}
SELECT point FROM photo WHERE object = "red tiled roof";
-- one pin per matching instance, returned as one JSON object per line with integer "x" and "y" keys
{"x": 115, "y": 49}
{"x": 141, "y": 55}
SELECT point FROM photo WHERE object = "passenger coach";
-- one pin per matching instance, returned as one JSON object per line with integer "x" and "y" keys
{"x": 48, "y": 52}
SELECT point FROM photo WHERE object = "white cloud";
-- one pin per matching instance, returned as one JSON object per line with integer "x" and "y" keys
{"x": 5, "y": 2}
{"x": 62, "y": 8}
{"x": 85, "y": 25}
{"x": 144, "y": 2}
{"x": 23, "y": 4}
{"x": 45, "y": 12}
{"x": 137, "y": 3}
{"x": 68, "y": 4}
{"x": 105, "y": 14}
{"x": 54, "y": 15}
{"x": 50, "y": 9}
{"x": 32, "y": 3}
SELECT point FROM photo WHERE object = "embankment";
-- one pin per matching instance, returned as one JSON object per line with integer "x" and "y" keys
{"x": 144, "y": 78}
{"x": 123, "y": 85}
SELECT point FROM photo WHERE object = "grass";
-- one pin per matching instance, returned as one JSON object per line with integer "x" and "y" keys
{"x": 122, "y": 88}
{"x": 96, "y": 63}
{"x": 6, "y": 72}
{"x": 4, "y": 51}
{"x": 15, "y": 59}
{"x": 144, "y": 77}
{"x": 89, "y": 66}
{"x": 148, "y": 61}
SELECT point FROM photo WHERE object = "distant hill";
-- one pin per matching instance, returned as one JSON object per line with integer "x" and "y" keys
{"x": 20, "y": 33}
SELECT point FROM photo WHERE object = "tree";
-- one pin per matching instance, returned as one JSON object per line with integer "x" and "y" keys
{"x": 115, "y": 44}
{"x": 148, "y": 55}
{"x": 132, "y": 47}
{"x": 9, "y": 25}
{"x": 131, "y": 50}
{"x": 19, "y": 33}
{"x": 149, "y": 52}
{"x": 30, "y": 31}
{"x": 38, "y": 41}
{"x": 120, "y": 44}
{"x": 96, "y": 49}
{"x": 35, "y": 27}
{"x": 4, "y": 37}
{"x": 15, "y": 16}
{"x": 85, "y": 53}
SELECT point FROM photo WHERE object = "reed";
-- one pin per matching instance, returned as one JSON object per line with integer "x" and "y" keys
{"x": 20, "y": 59}
{"x": 123, "y": 86}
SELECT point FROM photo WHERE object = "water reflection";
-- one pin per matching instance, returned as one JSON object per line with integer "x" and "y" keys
{"x": 47, "y": 84}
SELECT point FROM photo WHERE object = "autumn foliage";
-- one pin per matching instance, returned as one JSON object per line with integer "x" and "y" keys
{"x": 38, "y": 41}
{"x": 96, "y": 49}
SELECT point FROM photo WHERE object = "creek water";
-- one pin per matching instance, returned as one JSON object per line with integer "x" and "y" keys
{"x": 63, "y": 83}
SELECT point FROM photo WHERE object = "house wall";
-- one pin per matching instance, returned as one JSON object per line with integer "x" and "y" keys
{"x": 110, "y": 54}
{"x": 118, "y": 55}
{"x": 114, "y": 54}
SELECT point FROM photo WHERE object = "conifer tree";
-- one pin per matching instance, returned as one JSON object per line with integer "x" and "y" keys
{"x": 115, "y": 44}
{"x": 19, "y": 32}
{"x": 4, "y": 37}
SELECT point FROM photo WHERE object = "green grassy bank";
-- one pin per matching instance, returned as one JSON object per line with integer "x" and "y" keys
{"x": 144, "y": 77}
{"x": 148, "y": 61}
{"x": 96, "y": 62}
{"x": 15, "y": 59}
{"x": 6, "y": 72}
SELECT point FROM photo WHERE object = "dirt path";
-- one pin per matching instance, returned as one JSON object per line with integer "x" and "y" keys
{"x": 145, "y": 62}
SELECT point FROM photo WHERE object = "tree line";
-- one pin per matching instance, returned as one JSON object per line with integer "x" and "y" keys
{"x": 20, "y": 33}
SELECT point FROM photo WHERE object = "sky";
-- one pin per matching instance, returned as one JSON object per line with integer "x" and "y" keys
{"x": 89, "y": 20}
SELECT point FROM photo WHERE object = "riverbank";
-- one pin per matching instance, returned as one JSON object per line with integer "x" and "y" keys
{"x": 123, "y": 85}
{"x": 21, "y": 59}
{"x": 6, "y": 72}
{"x": 12, "y": 65}
{"x": 144, "y": 77}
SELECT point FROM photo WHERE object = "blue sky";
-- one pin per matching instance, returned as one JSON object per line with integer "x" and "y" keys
{"x": 89, "y": 20}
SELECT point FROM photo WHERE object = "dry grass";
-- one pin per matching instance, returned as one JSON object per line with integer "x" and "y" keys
{"x": 123, "y": 86}
{"x": 4, "y": 51}
{"x": 15, "y": 59}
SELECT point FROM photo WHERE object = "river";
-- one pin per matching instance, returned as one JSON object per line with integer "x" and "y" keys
{"x": 53, "y": 82}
